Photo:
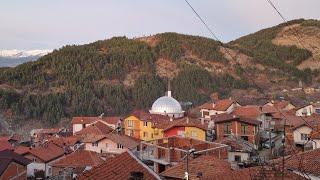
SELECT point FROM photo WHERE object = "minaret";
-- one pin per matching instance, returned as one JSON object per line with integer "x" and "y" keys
{"x": 169, "y": 89}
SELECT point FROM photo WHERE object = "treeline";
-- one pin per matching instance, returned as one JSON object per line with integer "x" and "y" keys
{"x": 259, "y": 46}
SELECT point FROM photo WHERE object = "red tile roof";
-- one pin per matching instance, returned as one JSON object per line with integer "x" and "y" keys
{"x": 222, "y": 118}
{"x": 119, "y": 167}
{"x": 22, "y": 150}
{"x": 308, "y": 162}
{"x": 207, "y": 165}
{"x": 220, "y": 105}
{"x": 65, "y": 141}
{"x": 98, "y": 128}
{"x": 47, "y": 152}
{"x": 159, "y": 121}
{"x": 90, "y": 138}
{"x": 112, "y": 119}
{"x": 258, "y": 172}
{"x": 79, "y": 159}
{"x": 187, "y": 122}
{"x": 124, "y": 140}
{"x": 4, "y": 145}
{"x": 84, "y": 120}
{"x": 8, "y": 156}
{"x": 252, "y": 112}
{"x": 269, "y": 109}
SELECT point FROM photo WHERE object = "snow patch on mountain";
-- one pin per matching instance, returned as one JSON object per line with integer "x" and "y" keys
{"x": 14, "y": 53}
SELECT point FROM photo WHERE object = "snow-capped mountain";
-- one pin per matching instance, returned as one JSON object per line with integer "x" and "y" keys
{"x": 14, "y": 53}
{"x": 12, "y": 58}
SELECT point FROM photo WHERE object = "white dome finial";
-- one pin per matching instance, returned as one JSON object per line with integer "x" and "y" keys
{"x": 169, "y": 89}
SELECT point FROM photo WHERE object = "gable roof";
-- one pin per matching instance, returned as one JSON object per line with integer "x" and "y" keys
{"x": 8, "y": 156}
{"x": 207, "y": 165}
{"x": 124, "y": 140}
{"x": 4, "y": 145}
{"x": 187, "y": 122}
{"x": 258, "y": 172}
{"x": 22, "y": 150}
{"x": 79, "y": 159}
{"x": 222, "y": 118}
{"x": 119, "y": 167}
{"x": 97, "y": 128}
{"x": 159, "y": 121}
{"x": 65, "y": 141}
{"x": 252, "y": 112}
{"x": 83, "y": 120}
{"x": 220, "y": 105}
{"x": 47, "y": 152}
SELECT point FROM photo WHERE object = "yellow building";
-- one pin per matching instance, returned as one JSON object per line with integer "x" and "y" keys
{"x": 147, "y": 127}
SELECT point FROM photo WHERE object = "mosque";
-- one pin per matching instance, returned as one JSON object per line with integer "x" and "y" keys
{"x": 168, "y": 106}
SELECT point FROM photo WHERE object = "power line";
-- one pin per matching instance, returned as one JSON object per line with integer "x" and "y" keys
{"x": 203, "y": 22}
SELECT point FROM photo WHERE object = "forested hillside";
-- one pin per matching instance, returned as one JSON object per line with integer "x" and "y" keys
{"x": 118, "y": 75}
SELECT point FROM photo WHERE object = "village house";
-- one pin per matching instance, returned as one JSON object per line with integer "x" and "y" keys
{"x": 111, "y": 143}
{"x": 281, "y": 105}
{"x": 239, "y": 151}
{"x": 74, "y": 164}
{"x": 166, "y": 152}
{"x": 39, "y": 136}
{"x": 79, "y": 123}
{"x": 315, "y": 139}
{"x": 187, "y": 127}
{"x": 123, "y": 166}
{"x": 13, "y": 165}
{"x": 218, "y": 107}
{"x": 231, "y": 125}
{"x": 203, "y": 166}
{"x": 306, "y": 110}
{"x": 147, "y": 127}
{"x": 42, "y": 158}
{"x": 256, "y": 113}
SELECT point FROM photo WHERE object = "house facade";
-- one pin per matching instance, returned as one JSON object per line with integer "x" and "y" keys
{"x": 219, "y": 107}
{"x": 238, "y": 127}
{"x": 305, "y": 111}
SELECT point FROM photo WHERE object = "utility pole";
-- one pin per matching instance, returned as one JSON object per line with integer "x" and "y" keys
{"x": 283, "y": 147}
{"x": 270, "y": 142}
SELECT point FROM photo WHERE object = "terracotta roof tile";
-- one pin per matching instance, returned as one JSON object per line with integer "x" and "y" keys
{"x": 90, "y": 138}
{"x": 220, "y": 105}
{"x": 4, "y": 145}
{"x": 98, "y": 128}
{"x": 79, "y": 159}
{"x": 187, "y": 122}
{"x": 124, "y": 140}
{"x": 83, "y": 120}
{"x": 248, "y": 111}
{"x": 221, "y": 118}
{"x": 119, "y": 167}
{"x": 22, "y": 150}
{"x": 65, "y": 141}
{"x": 47, "y": 152}
{"x": 207, "y": 165}
{"x": 8, "y": 156}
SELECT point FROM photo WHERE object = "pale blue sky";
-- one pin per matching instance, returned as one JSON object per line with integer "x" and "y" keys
{"x": 40, "y": 24}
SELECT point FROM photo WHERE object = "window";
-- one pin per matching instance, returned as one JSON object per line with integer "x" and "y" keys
{"x": 34, "y": 159}
{"x": 151, "y": 135}
{"x": 130, "y": 132}
{"x": 145, "y": 134}
{"x": 156, "y": 132}
{"x": 119, "y": 146}
{"x": 317, "y": 110}
{"x": 304, "y": 137}
{"x": 145, "y": 124}
{"x": 206, "y": 113}
{"x": 83, "y": 126}
{"x": 237, "y": 158}
{"x": 130, "y": 123}
{"x": 94, "y": 144}
{"x": 194, "y": 134}
{"x": 244, "y": 128}
{"x": 227, "y": 127}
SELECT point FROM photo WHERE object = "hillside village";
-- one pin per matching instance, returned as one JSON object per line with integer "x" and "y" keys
{"x": 275, "y": 140}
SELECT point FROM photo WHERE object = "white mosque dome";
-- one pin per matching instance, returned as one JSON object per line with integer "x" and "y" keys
{"x": 167, "y": 105}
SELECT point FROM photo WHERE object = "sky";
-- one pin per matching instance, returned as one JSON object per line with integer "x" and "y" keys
{"x": 50, "y": 24}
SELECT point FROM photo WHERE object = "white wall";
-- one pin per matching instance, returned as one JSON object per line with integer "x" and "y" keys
{"x": 316, "y": 144}
{"x": 244, "y": 156}
{"x": 34, "y": 165}
{"x": 76, "y": 128}
{"x": 309, "y": 110}
{"x": 102, "y": 145}
{"x": 297, "y": 134}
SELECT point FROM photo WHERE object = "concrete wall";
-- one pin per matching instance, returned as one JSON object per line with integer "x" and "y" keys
{"x": 106, "y": 145}
{"x": 244, "y": 156}
{"x": 297, "y": 134}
